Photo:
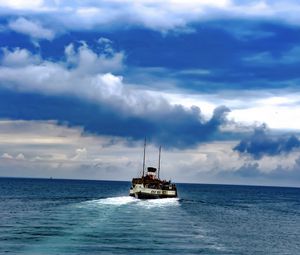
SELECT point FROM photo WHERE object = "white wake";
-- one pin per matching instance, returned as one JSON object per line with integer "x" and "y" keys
{"x": 126, "y": 200}
{"x": 162, "y": 202}
{"x": 116, "y": 200}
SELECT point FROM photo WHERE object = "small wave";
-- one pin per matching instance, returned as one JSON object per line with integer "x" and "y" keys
{"x": 192, "y": 201}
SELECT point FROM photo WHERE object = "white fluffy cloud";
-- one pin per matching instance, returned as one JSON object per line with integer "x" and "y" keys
{"x": 22, "y": 5}
{"x": 279, "y": 109}
{"x": 18, "y": 57}
{"x": 6, "y": 156}
{"x": 20, "y": 156}
{"x": 31, "y": 28}
{"x": 88, "y": 61}
{"x": 84, "y": 74}
{"x": 93, "y": 76}
{"x": 160, "y": 15}
{"x": 81, "y": 153}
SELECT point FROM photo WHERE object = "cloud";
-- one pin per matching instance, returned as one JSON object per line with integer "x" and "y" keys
{"x": 85, "y": 60}
{"x": 31, "y": 28}
{"x": 52, "y": 147}
{"x": 85, "y": 73}
{"x": 6, "y": 156}
{"x": 154, "y": 14}
{"x": 21, "y": 5}
{"x": 254, "y": 174}
{"x": 18, "y": 57}
{"x": 81, "y": 92}
{"x": 20, "y": 156}
{"x": 90, "y": 78}
{"x": 289, "y": 57}
{"x": 245, "y": 30}
{"x": 80, "y": 153}
{"x": 260, "y": 143}
{"x": 172, "y": 126}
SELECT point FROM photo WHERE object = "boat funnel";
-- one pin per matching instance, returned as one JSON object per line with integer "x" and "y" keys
{"x": 151, "y": 172}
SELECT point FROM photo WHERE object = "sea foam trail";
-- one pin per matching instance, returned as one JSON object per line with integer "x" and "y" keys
{"x": 124, "y": 200}
{"x": 159, "y": 202}
{"x": 116, "y": 200}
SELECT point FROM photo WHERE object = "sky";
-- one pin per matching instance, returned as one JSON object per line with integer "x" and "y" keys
{"x": 215, "y": 83}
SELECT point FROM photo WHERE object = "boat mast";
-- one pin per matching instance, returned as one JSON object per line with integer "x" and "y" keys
{"x": 158, "y": 172}
{"x": 144, "y": 157}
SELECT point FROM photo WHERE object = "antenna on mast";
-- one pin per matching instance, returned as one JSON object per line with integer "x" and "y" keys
{"x": 144, "y": 157}
{"x": 158, "y": 172}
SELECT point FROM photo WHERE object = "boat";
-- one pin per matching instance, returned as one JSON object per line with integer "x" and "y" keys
{"x": 149, "y": 185}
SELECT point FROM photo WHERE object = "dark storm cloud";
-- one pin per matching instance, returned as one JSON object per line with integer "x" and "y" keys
{"x": 172, "y": 127}
{"x": 261, "y": 143}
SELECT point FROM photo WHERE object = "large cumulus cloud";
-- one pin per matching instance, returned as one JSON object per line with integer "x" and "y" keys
{"x": 83, "y": 91}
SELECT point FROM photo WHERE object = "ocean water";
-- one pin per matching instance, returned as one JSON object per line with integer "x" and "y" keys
{"x": 39, "y": 216}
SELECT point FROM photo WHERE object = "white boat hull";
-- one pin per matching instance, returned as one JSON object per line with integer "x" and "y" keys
{"x": 141, "y": 192}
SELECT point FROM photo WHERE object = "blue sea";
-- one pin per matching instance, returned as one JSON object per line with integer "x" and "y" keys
{"x": 48, "y": 216}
